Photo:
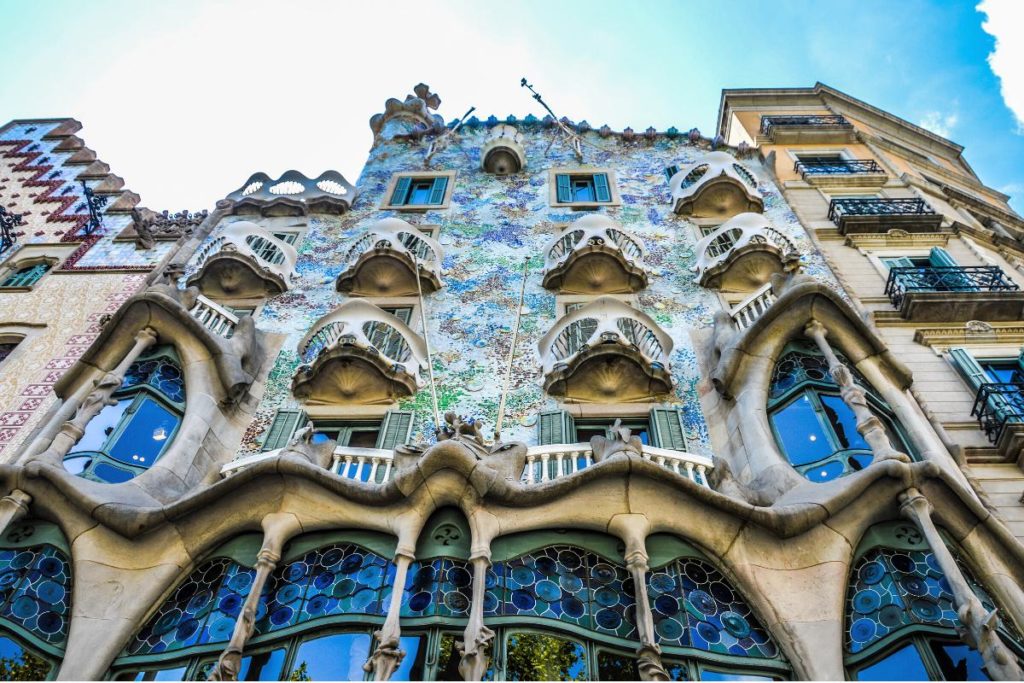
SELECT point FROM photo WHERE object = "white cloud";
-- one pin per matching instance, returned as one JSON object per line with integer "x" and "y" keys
{"x": 939, "y": 123}
{"x": 1005, "y": 18}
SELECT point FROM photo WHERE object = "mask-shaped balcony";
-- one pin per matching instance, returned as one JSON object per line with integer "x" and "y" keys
{"x": 606, "y": 352}
{"x": 359, "y": 354}
{"x": 502, "y": 152}
{"x": 743, "y": 254}
{"x": 244, "y": 261}
{"x": 385, "y": 261}
{"x": 595, "y": 255}
{"x": 293, "y": 194}
{"x": 717, "y": 186}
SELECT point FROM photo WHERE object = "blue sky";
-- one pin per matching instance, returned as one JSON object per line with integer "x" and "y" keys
{"x": 185, "y": 100}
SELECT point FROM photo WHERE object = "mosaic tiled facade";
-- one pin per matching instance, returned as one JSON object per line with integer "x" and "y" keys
{"x": 530, "y": 400}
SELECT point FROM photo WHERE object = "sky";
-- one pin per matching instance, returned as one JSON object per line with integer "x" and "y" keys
{"x": 186, "y": 99}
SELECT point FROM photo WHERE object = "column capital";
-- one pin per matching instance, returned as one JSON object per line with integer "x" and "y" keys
{"x": 814, "y": 329}
{"x": 147, "y": 335}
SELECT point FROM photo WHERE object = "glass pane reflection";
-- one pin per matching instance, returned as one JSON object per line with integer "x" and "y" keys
{"x": 902, "y": 665}
{"x": 146, "y": 435}
{"x": 843, "y": 422}
{"x": 803, "y": 439}
{"x": 540, "y": 657}
{"x": 616, "y": 667}
{"x": 338, "y": 657}
{"x": 411, "y": 668}
{"x": 959, "y": 662}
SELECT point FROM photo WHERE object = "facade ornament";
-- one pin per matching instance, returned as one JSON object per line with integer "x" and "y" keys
{"x": 897, "y": 233}
{"x": 743, "y": 150}
{"x": 474, "y": 648}
{"x": 404, "y": 118}
{"x": 150, "y": 226}
{"x": 651, "y": 133}
{"x": 717, "y": 141}
{"x": 604, "y": 131}
{"x": 694, "y": 135}
{"x": 388, "y": 655}
{"x": 621, "y": 441}
{"x": 13, "y": 507}
{"x": 464, "y": 430}
{"x": 977, "y": 626}
{"x": 628, "y": 135}
{"x": 978, "y": 327}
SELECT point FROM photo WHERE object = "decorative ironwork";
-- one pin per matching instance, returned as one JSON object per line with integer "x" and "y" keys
{"x": 810, "y": 120}
{"x": 838, "y": 208}
{"x": 998, "y": 404}
{"x": 8, "y": 221}
{"x": 837, "y": 167}
{"x": 945, "y": 279}
{"x": 95, "y": 203}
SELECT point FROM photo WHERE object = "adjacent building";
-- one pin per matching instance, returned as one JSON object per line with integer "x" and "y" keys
{"x": 529, "y": 400}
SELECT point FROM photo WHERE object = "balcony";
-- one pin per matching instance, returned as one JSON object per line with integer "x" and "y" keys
{"x": 244, "y": 261}
{"x": 743, "y": 254}
{"x": 293, "y": 194}
{"x": 359, "y": 354}
{"x": 881, "y": 215}
{"x": 954, "y": 294}
{"x": 594, "y": 255}
{"x": 745, "y": 313}
{"x": 606, "y": 352}
{"x": 387, "y": 260}
{"x": 841, "y": 172}
{"x": 999, "y": 408}
{"x": 371, "y": 465}
{"x": 546, "y": 463}
{"x": 805, "y": 128}
{"x": 215, "y": 318}
{"x": 717, "y": 186}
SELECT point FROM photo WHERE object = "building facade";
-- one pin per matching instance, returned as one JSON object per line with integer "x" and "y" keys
{"x": 530, "y": 400}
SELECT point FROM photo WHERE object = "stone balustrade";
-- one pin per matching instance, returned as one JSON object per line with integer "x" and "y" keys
{"x": 544, "y": 463}
{"x": 743, "y": 254}
{"x": 387, "y": 258}
{"x": 214, "y": 317}
{"x": 267, "y": 263}
{"x": 715, "y": 186}
{"x": 595, "y": 255}
{"x": 746, "y": 312}
{"x": 373, "y": 465}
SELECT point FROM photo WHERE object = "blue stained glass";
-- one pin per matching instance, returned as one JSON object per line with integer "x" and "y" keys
{"x": 438, "y": 587}
{"x": 35, "y": 591}
{"x": 902, "y": 665}
{"x": 694, "y": 606}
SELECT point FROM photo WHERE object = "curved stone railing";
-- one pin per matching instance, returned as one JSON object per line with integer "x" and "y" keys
{"x": 691, "y": 187}
{"x": 742, "y": 234}
{"x": 374, "y": 334}
{"x": 594, "y": 254}
{"x": 243, "y": 238}
{"x": 746, "y": 312}
{"x": 544, "y": 463}
{"x": 214, "y": 317}
{"x": 606, "y": 320}
{"x": 395, "y": 239}
{"x": 327, "y": 193}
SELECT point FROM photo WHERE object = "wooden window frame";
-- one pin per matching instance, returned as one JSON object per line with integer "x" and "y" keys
{"x": 418, "y": 208}
{"x": 613, "y": 187}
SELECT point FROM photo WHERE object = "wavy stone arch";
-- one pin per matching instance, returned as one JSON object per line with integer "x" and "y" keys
{"x": 743, "y": 361}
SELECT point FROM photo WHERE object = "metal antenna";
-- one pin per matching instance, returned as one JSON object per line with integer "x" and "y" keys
{"x": 441, "y": 143}
{"x": 426, "y": 343}
{"x": 575, "y": 141}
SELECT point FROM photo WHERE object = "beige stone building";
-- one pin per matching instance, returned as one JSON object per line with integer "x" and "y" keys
{"x": 530, "y": 400}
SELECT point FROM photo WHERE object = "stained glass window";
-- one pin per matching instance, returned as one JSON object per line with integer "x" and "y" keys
{"x": 440, "y": 587}
{"x": 35, "y": 592}
{"x": 694, "y": 606}
{"x": 813, "y": 426}
{"x": 126, "y": 438}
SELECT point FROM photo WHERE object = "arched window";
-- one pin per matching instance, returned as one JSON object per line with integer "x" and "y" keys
{"x": 7, "y": 345}
{"x": 314, "y": 621}
{"x": 126, "y": 438}
{"x": 35, "y": 601}
{"x": 813, "y": 426}
{"x": 25, "y": 276}
{"x": 901, "y": 619}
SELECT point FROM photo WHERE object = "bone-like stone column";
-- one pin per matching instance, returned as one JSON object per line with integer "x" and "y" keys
{"x": 868, "y": 424}
{"x": 13, "y": 507}
{"x": 100, "y": 397}
{"x": 632, "y": 529}
{"x": 277, "y": 528}
{"x": 476, "y": 640}
{"x": 978, "y": 627}
{"x": 389, "y": 654}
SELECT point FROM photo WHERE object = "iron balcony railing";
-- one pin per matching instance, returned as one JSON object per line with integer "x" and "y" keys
{"x": 837, "y": 167}
{"x": 810, "y": 120}
{"x": 945, "y": 279}
{"x": 997, "y": 405}
{"x": 839, "y": 208}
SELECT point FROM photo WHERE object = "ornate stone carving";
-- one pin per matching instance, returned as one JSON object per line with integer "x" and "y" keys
{"x": 411, "y": 116}
{"x": 621, "y": 441}
{"x": 150, "y": 226}
{"x": 474, "y": 648}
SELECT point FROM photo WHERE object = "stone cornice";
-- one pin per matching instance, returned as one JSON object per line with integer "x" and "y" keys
{"x": 970, "y": 333}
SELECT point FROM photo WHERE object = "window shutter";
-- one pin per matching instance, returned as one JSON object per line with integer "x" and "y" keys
{"x": 667, "y": 429}
{"x": 437, "y": 191}
{"x": 940, "y": 258}
{"x": 969, "y": 367}
{"x": 671, "y": 171}
{"x": 899, "y": 262}
{"x": 401, "y": 194}
{"x": 404, "y": 314}
{"x": 555, "y": 426}
{"x": 395, "y": 430}
{"x": 1020, "y": 360}
{"x": 601, "y": 189}
{"x": 564, "y": 188}
{"x": 281, "y": 429}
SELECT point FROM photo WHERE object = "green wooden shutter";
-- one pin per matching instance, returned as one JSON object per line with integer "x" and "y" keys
{"x": 281, "y": 429}
{"x": 940, "y": 258}
{"x": 437, "y": 191}
{"x": 671, "y": 171}
{"x": 395, "y": 430}
{"x": 401, "y": 194}
{"x": 564, "y": 188}
{"x": 404, "y": 314}
{"x": 1020, "y": 360}
{"x": 969, "y": 367}
{"x": 667, "y": 429}
{"x": 555, "y": 426}
{"x": 898, "y": 262}
{"x": 601, "y": 189}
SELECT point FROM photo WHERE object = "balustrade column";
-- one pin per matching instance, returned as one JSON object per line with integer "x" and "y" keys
{"x": 277, "y": 528}
{"x": 476, "y": 643}
{"x": 389, "y": 655}
{"x": 978, "y": 627}
{"x": 868, "y": 424}
{"x": 100, "y": 397}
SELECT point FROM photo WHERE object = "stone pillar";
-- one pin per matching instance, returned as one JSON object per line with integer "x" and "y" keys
{"x": 868, "y": 424}
{"x": 385, "y": 659}
{"x": 978, "y": 627}
{"x": 100, "y": 397}
{"x": 13, "y": 507}
{"x": 277, "y": 528}
{"x": 476, "y": 640}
